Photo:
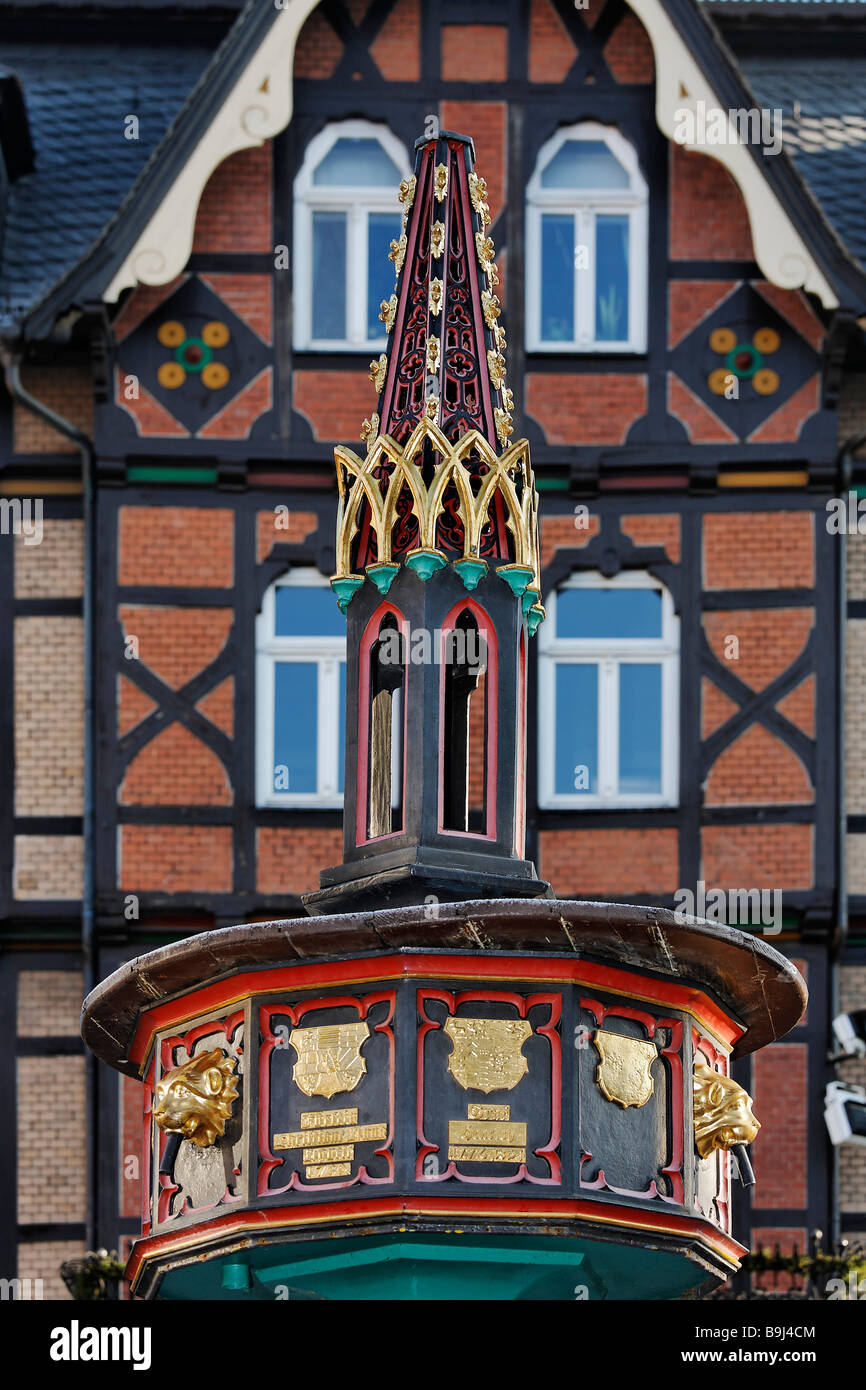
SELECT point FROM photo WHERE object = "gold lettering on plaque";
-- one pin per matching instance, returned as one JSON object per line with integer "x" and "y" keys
{"x": 489, "y": 1112}
{"x": 329, "y": 1058}
{"x": 487, "y": 1054}
{"x": 346, "y": 1134}
{"x": 624, "y": 1072}
{"x": 327, "y": 1119}
{"x": 499, "y": 1132}
{"x": 462, "y": 1153}
{"x": 328, "y": 1170}
{"x": 488, "y": 1135}
{"x": 327, "y": 1139}
{"x": 336, "y": 1153}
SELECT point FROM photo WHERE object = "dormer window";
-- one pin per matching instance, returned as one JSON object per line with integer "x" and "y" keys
{"x": 586, "y": 244}
{"x": 346, "y": 216}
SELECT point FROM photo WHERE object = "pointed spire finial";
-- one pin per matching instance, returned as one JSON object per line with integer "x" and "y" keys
{"x": 441, "y": 482}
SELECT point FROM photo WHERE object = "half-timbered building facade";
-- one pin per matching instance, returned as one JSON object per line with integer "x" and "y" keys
{"x": 195, "y": 222}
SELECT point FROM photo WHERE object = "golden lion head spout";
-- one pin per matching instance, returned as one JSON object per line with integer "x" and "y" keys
{"x": 195, "y": 1100}
{"x": 723, "y": 1112}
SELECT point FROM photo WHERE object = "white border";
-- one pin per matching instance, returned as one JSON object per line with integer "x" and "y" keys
{"x": 355, "y": 201}
{"x": 607, "y": 654}
{"x": 327, "y": 653}
{"x": 583, "y": 204}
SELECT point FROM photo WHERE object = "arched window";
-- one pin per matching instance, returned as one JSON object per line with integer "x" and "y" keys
{"x": 586, "y": 244}
{"x": 381, "y": 712}
{"x": 468, "y": 716}
{"x": 608, "y": 693}
{"x": 300, "y": 693}
{"x": 346, "y": 215}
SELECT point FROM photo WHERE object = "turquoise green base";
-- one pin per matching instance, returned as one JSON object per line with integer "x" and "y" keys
{"x": 425, "y": 563}
{"x": 346, "y": 588}
{"x": 516, "y": 577}
{"x": 471, "y": 572}
{"x": 444, "y": 1268}
{"x": 383, "y": 576}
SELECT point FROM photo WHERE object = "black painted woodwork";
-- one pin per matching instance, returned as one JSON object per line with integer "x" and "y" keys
{"x": 423, "y": 859}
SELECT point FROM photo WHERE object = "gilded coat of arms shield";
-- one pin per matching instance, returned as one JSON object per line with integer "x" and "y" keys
{"x": 487, "y": 1054}
{"x": 329, "y": 1057}
{"x": 624, "y": 1072}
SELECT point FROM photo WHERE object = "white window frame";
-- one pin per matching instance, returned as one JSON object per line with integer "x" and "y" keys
{"x": 356, "y": 202}
{"x": 584, "y": 205}
{"x": 609, "y": 654}
{"x": 327, "y": 653}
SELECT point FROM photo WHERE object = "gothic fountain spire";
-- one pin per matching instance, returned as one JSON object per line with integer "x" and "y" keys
{"x": 440, "y": 482}
{"x": 437, "y": 572}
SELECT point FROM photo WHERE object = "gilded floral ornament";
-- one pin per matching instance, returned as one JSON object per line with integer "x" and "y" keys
{"x": 485, "y": 248}
{"x": 432, "y": 354}
{"x": 478, "y": 194}
{"x": 370, "y": 428}
{"x": 431, "y": 408}
{"x": 435, "y": 297}
{"x": 508, "y": 398}
{"x": 496, "y": 368}
{"x": 378, "y": 369}
{"x": 491, "y": 306}
{"x": 388, "y": 312}
{"x": 440, "y": 182}
{"x": 499, "y": 336}
{"x": 406, "y": 192}
{"x": 397, "y": 253}
{"x": 437, "y": 240}
{"x": 504, "y": 427}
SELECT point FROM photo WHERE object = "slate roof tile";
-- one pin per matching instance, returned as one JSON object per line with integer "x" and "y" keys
{"x": 823, "y": 103}
{"x": 77, "y": 99}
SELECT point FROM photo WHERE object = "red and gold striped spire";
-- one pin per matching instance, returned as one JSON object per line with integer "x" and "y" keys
{"x": 441, "y": 484}
{"x": 445, "y": 357}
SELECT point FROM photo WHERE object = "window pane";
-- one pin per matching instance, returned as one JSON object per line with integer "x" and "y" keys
{"x": 584, "y": 164}
{"x": 613, "y": 613}
{"x": 576, "y": 729}
{"x": 357, "y": 163}
{"x": 611, "y": 278}
{"x": 640, "y": 728}
{"x": 307, "y": 611}
{"x": 329, "y": 275}
{"x": 295, "y": 726}
{"x": 383, "y": 228}
{"x": 557, "y": 278}
{"x": 341, "y": 729}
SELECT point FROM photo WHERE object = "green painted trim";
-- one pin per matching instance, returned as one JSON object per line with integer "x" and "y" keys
{"x": 551, "y": 484}
{"x": 453, "y": 1253}
{"x": 453, "y": 1267}
{"x": 145, "y": 473}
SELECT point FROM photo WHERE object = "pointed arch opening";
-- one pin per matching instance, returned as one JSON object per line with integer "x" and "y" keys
{"x": 468, "y": 723}
{"x": 382, "y": 725}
